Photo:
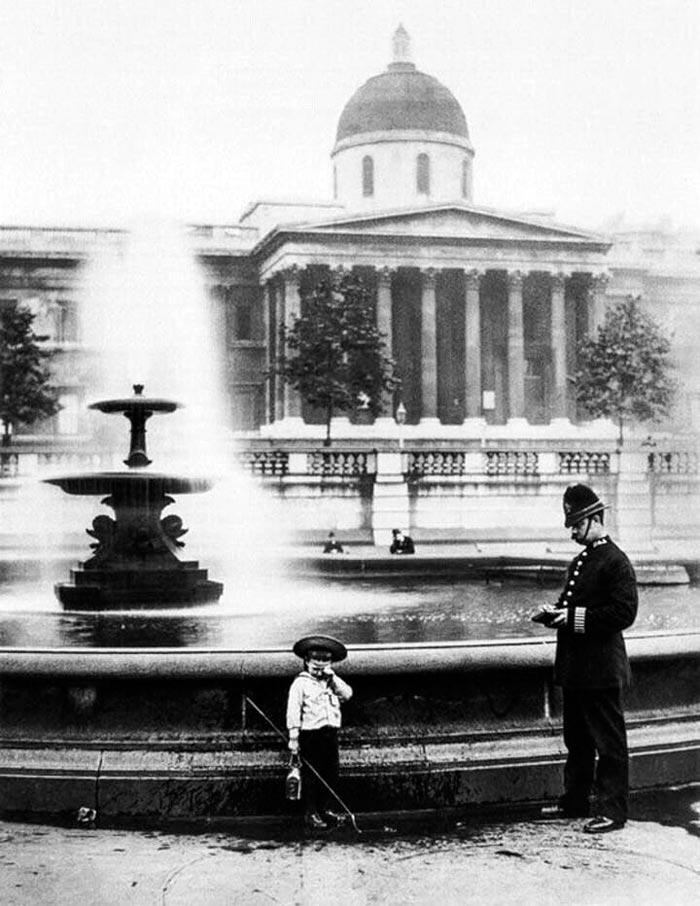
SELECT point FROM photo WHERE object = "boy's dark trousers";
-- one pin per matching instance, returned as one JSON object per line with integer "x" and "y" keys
{"x": 320, "y": 749}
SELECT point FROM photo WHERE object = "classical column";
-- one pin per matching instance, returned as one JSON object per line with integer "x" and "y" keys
{"x": 385, "y": 327}
{"x": 292, "y": 309}
{"x": 596, "y": 301}
{"x": 516, "y": 347}
{"x": 428, "y": 335}
{"x": 268, "y": 326}
{"x": 558, "y": 328}
{"x": 384, "y": 277}
{"x": 472, "y": 345}
{"x": 276, "y": 320}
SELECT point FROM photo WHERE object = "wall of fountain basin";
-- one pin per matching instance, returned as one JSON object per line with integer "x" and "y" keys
{"x": 170, "y": 734}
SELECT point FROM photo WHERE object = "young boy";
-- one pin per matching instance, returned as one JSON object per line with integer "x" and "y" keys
{"x": 313, "y": 718}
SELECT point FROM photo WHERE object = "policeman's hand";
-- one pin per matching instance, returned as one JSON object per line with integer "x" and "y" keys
{"x": 561, "y": 619}
{"x": 294, "y": 746}
{"x": 545, "y": 615}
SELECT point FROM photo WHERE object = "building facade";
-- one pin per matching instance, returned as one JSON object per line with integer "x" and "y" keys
{"x": 482, "y": 309}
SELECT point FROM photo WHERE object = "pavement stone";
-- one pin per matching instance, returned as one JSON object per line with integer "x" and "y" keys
{"x": 530, "y": 862}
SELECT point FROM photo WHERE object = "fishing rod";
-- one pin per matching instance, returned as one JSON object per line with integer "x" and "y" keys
{"x": 308, "y": 765}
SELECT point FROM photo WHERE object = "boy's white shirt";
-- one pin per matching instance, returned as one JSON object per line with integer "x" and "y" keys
{"x": 313, "y": 704}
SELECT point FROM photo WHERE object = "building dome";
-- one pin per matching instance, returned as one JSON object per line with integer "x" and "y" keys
{"x": 402, "y": 98}
{"x": 402, "y": 140}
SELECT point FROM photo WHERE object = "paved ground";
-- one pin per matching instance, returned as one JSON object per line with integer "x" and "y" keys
{"x": 494, "y": 863}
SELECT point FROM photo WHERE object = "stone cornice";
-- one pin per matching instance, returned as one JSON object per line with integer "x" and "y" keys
{"x": 424, "y": 136}
{"x": 453, "y": 257}
{"x": 518, "y": 249}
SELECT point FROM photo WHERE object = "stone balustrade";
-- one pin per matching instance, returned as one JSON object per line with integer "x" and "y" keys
{"x": 50, "y": 241}
{"x": 452, "y": 491}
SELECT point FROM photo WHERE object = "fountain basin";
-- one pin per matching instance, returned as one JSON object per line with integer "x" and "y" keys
{"x": 172, "y": 733}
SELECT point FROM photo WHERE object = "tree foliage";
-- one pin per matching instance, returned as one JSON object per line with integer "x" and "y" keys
{"x": 26, "y": 393}
{"x": 625, "y": 372}
{"x": 335, "y": 355}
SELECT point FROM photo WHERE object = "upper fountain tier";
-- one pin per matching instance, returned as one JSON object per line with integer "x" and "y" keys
{"x": 135, "y": 403}
{"x": 136, "y": 482}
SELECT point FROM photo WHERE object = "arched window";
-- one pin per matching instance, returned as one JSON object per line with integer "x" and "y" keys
{"x": 423, "y": 174}
{"x": 465, "y": 179}
{"x": 367, "y": 176}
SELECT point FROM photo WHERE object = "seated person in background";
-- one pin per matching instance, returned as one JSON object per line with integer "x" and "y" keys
{"x": 332, "y": 545}
{"x": 402, "y": 544}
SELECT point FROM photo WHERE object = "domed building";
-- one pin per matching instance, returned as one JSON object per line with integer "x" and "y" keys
{"x": 482, "y": 311}
{"x": 402, "y": 140}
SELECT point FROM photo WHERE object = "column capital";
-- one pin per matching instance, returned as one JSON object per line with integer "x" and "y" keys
{"x": 429, "y": 275}
{"x": 599, "y": 282}
{"x": 473, "y": 278}
{"x": 558, "y": 279}
{"x": 291, "y": 274}
{"x": 384, "y": 275}
{"x": 515, "y": 280}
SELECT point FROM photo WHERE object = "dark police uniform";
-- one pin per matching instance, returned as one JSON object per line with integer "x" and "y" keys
{"x": 591, "y": 665}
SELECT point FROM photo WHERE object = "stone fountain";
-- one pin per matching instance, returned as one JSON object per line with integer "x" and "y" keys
{"x": 135, "y": 561}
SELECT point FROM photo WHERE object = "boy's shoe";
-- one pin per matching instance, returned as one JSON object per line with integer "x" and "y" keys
{"x": 559, "y": 811}
{"x": 315, "y": 822}
{"x": 602, "y": 825}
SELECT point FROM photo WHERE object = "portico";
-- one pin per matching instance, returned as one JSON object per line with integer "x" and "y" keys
{"x": 482, "y": 312}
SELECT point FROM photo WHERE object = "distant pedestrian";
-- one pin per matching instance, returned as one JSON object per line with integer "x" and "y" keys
{"x": 313, "y": 719}
{"x": 599, "y": 600}
{"x": 332, "y": 545}
{"x": 401, "y": 543}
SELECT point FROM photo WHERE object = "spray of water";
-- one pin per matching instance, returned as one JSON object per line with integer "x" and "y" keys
{"x": 148, "y": 318}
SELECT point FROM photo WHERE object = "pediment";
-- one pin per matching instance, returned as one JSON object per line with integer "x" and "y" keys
{"x": 454, "y": 222}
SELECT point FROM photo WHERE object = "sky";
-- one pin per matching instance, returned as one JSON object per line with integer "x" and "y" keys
{"x": 112, "y": 110}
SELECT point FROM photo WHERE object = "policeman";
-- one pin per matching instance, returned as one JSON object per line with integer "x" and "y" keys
{"x": 598, "y": 601}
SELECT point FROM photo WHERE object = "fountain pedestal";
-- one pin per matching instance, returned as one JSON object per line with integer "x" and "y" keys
{"x": 135, "y": 560}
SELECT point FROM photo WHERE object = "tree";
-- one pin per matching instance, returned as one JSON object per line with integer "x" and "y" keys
{"x": 26, "y": 393}
{"x": 624, "y": 372}
{"x": 334, "y": 354}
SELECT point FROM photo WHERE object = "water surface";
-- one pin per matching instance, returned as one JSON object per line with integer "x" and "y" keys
{"x": 275, "y": 610}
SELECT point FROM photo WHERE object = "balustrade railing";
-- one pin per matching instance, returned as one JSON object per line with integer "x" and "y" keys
{"x": 512, "y": 463}
{"x": 52, "y": 240}
{"x": 436, "y": 463}
{"x": 418, "y": 463}
{"x": 265, "y": 463}
{"x": 337, "y": 463}
{"x": 678, "y": 462}
{"x": 72, "y": 460}
{"x": 584, "y": 462}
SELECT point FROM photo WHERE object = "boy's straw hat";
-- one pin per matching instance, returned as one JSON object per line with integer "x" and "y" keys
{"x": 336, "y": 649}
